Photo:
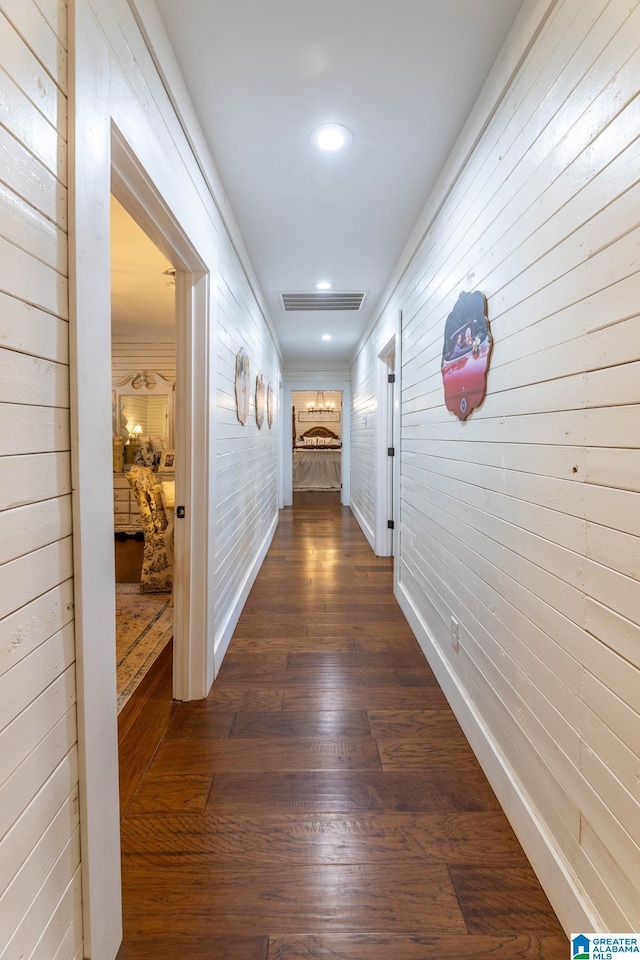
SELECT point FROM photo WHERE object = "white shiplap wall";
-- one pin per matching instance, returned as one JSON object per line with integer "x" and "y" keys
{"x": 246, "y": 467}
{"x": 39, "y": 845}
{"x": 523, "y": 523}
{"x": 135, "y": 354}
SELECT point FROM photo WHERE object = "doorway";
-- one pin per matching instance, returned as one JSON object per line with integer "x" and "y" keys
{"x": 317, "y": 425}
{"x": 293, "y": 430}
{"x": 143, "y": 364}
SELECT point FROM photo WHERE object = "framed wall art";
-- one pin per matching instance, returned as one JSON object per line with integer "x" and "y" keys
{"x": 243, "y": 391}
{"x": 466, "y": 352}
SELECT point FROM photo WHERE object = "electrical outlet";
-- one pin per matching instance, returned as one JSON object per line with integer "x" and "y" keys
{"x": 455, "y": 626}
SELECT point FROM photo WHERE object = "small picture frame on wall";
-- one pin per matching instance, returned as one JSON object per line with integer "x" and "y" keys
{"x": 167, "y": 460}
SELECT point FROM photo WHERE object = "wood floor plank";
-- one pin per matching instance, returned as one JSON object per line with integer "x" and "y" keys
{"x": 409, "y": 656}
{"x": 297, "y": 645}
{"x": 384, "y": 947}
{"x": 364, "y": 698}
{"x": 322, "y": 802}
{"x": 388, "y": 646}
{"x": 330, "y": 627}
{"x": 303, "y": 839}
{"x": 418, "y": 754}
{"x": 218, "y": 756}
{"x": 253, "y": 609}
{"x": 212, "y": 723}
{"x": 430, "y": 724}
{"x": 237, "y": 662}
{"x": 338, "y": 723}
{"x": 186, "y": 947}
{"x": 282, "y": 899}
{"x": 170, "y": 795}
{"x": 245, "y": 697}
{"x": 354, "y": 790}
{"x": 487, "y": 896}
{"x": 255, "y": 675}
{"x": 357, "y": 613}
{"x": 265, "y": 627}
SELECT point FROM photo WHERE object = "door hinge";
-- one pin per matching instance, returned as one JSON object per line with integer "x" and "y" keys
{"x": 391, "y": 451}
{"x": 391, "y": 525}
{"x": 180, "y": 513}
{"x": 391, "y": 378}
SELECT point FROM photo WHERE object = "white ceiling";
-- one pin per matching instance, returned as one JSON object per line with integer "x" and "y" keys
{"x": 401, "y": 75}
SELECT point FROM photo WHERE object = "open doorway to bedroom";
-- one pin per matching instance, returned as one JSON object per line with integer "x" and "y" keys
{"x": 317, "y": 426}
{"x": 143, "y": 368}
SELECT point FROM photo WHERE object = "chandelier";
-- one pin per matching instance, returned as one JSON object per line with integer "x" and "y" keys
{"x": 321, "y": 405}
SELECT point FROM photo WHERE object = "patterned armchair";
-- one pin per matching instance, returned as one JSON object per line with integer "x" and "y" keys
{"x": 157, "y": 565}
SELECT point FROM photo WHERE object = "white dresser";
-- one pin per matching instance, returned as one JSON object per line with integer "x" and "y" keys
{"x": 126, "y": 516}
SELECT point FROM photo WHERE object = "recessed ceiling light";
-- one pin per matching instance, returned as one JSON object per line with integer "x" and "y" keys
{"x": 331, "y": 136}
{"x": 323, "y": 285}
{"x": 326, "y": 336}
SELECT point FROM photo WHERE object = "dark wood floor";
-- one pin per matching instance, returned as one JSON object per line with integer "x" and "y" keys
{"x": 323, "y": 802}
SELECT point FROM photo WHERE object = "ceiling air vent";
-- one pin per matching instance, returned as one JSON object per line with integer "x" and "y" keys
{"x": 327, "y": 300}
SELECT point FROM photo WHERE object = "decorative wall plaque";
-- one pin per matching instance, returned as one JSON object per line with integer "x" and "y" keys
{"x": 260, "y": 398}
{"x": 242, "y": 386}
{"x": 270, "y": 404}
{"x": 465, "y": 354}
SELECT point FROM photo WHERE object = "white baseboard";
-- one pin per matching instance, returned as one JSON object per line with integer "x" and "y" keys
{"x": 364, "y": 526}
{"x": 223, "y": 638}
{"x": 574, "y": 910}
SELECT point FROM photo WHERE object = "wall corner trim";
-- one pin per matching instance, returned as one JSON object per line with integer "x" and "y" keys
{"x": 574, "y": 910}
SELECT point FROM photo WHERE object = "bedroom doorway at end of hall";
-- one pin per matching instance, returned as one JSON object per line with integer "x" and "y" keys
{"x": 317, "y": 430}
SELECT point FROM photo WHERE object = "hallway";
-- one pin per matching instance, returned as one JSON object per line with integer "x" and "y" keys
{"x": 323, "y": 802}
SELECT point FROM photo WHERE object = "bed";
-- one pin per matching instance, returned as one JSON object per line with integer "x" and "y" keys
{"x": 317, "y": 460}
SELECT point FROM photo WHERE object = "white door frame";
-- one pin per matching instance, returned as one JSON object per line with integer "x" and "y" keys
{"x": 385, "y": 438}
{"x": 287, "y": 435}
{"x": 138, "y": 196}
{"x": 102, "y": 162}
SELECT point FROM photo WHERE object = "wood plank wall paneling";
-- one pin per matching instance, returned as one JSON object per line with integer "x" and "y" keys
{"x": 135, "y": 354}
{"x": 523, "y": 523}
{"x": 246, "y": 478}
{"x": 39, "y": 850}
